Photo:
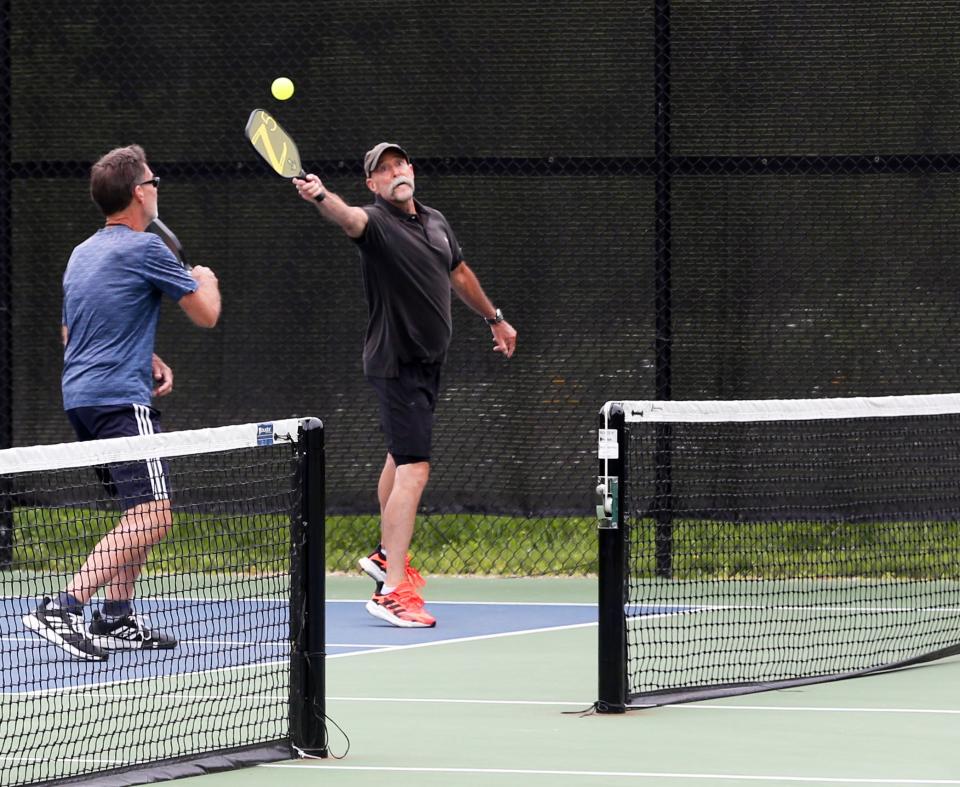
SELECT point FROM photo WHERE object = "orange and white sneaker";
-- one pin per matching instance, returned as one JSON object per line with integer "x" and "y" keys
{"x": 374, "y": 566}
{"x": 402, "y": 608}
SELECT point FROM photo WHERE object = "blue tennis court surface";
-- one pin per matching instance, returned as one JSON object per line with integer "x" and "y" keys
{"x": 213, "y": 636}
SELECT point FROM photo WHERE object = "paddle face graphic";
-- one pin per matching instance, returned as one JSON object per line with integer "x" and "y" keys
{"x": 274, "y": 145}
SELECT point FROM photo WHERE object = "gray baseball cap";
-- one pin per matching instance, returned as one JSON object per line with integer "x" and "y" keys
{"x": 372, "y": 157}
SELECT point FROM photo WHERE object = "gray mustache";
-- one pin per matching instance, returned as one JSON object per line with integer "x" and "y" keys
{"x": 400, "y": 180}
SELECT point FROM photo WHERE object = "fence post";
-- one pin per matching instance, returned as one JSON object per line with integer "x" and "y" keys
{"x": 663, "y": 167}
{"x": 6, "y": 284}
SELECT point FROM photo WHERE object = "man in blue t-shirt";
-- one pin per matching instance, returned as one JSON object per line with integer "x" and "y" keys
{"x": 112, "y": 289}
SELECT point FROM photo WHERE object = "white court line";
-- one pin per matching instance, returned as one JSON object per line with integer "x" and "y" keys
{"x": 815, "y": 709}
{"x": 621, "y": 774}
{"x": 478, "y": 637}
{"x": 587, "y": 704}
{"x": 190, "y": 696}
{"x": 450, "y": 701}
{"x": 481, "y": 603}
{"x": 203, "y": 643}
{"x": 142, "y": 679}
{"x": 370, "y": 645}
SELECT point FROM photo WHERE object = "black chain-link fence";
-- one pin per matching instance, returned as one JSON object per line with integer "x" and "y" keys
{"x": 686, "y": 199}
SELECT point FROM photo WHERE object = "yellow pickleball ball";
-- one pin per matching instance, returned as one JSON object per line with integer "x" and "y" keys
{"x": 282, "y": 88}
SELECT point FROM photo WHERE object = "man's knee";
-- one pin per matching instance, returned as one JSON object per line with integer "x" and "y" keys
{"x": 412, "y": 473}
{"x": 148, "y": 523}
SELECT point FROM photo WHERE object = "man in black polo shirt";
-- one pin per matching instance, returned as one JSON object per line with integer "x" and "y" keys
{"x": 410, "y": 260}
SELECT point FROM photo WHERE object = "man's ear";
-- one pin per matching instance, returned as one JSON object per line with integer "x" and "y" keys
{"x": 371, "y": 185}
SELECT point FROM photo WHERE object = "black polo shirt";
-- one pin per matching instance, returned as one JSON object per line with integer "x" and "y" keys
{"x": 406, "y": 262}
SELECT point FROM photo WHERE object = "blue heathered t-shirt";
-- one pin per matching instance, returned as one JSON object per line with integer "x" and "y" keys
{"x": 111, "y": 304}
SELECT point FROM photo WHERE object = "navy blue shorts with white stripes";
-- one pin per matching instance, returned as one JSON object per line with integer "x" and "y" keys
{"x": 132, "y": 482}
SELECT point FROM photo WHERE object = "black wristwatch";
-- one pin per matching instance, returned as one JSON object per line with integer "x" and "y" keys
{"x": 497, "y": 317}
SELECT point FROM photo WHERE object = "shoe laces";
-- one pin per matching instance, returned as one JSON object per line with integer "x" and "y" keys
{"x": 74, "y": 620}
{"x": 407, "y": 596}
{"x": 413, "y": 576}
{"x": 140, "y": 623}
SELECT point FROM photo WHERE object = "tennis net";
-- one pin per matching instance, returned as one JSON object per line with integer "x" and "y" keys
{"x": 752, "y": 545}
{"x": 224, "y": 664}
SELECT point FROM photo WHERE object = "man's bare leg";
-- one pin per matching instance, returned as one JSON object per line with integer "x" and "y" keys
{"x": 398, "y": 513}
{"x": 118, "y": 558}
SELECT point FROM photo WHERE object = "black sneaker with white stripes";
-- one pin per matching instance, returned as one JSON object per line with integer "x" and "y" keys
{"x": 64, "y": 629}
{"x": 129, "y": 632}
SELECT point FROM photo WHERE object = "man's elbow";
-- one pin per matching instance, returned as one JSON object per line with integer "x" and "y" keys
{"x": 203, "y": 311}
{"x": 207, "y": 320}
{"x": 208, "y": 316}
{"x": 354, "y": 229}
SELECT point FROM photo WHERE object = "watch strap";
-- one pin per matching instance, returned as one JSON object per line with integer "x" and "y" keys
{"x": 497, "y": 317}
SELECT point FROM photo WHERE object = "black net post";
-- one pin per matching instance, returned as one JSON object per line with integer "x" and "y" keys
{"x": 612, "y": 633}
{"x": 308, "y": 729}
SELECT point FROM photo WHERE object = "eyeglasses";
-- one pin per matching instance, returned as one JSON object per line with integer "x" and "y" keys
{"x": 154, "y": 181}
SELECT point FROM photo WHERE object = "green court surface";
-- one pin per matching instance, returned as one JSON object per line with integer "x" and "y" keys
{"x": 507, "y": 710}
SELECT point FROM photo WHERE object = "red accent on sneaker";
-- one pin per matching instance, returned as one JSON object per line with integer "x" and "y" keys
{"x": 403, "y": 607}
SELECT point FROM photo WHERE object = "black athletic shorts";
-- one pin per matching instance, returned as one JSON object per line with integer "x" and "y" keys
{"x": 132, "y": 482}
{"x": 407, "y": 405}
